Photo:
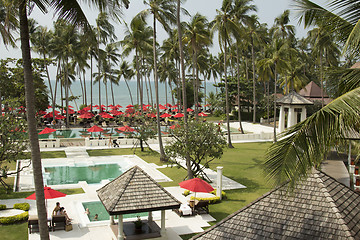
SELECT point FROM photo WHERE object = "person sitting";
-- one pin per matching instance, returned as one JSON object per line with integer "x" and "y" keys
{"x": 56, "y": 209}
{"x": 63, "y": 212}
{"x": 96, "y": 217}
{"x": 87, "y": 211}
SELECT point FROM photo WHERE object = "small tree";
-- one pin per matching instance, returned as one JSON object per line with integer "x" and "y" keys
{"x": 204, "y": 144}
{"x": 145, "y": 130}
{"x": 13, "y": 142}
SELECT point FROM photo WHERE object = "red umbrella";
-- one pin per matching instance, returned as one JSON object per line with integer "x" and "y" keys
{"x": 86, "y": 115}
{"x": 105, "y": 115}
{"x": 95, "y": 129}
{"x": 162, "y": 107}
{"x": 202, "y": 114}
{"x": 47, "y": 131}
{"x": 151, "y": 115}
{"x": 196, "y": 185}
{"x": 129, "y": 110}
{"x": 49, "y": 194}
{"x": 129, "y": 106}
{"x": 174, "y": 126}
{"x": 175, "y": 110}
{"x": 58, "y": 117}
{"x": 190, "y": 110}
{"x": 118, "y": 106}
{"x": 126, "y": 129}
{"x": 178, "y": 115}
{"x": 165, "y": 115}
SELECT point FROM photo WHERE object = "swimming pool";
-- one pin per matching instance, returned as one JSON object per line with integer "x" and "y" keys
{"x": 83, "y": 133}
{"x": 98, "y": 208}
{"x": 91, "y": 170}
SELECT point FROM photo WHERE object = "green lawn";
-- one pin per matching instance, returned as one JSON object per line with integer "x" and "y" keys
{"x": 14, "y": 231}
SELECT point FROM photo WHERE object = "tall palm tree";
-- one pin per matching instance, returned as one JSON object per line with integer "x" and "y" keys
{"x": 164, "y": 12}
{"x": 197, "y": 35}
{"x": 305, "y": 145}
{"x": 127, "y": 73}
{"x": 75, "y": 15}
{"x": 225, "y": 25}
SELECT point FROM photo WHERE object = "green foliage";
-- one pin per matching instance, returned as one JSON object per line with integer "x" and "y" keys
{"x": 201, "y": 142}
{"x": 22, "y": 206}
{"x": 2, "y": 206}
{"x": 211, "y": 200}
{"x": 14, "y": 219}
{"x": 145, "y": 130}
{"x": 12, "y": 82}
{"x": 189, "y": 94}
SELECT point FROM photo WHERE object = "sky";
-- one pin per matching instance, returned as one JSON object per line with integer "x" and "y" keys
{"x": 268, "y": 10}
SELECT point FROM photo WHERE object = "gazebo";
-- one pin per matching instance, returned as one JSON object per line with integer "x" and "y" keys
{"x": 295, "y": 106}
{"x": 135, "y": 192}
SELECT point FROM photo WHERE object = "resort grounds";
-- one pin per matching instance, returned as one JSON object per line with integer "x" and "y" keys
{"x": 242, "y": 164}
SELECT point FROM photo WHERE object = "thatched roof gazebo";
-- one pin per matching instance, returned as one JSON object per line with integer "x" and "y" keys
{"x": 134, "y": 192}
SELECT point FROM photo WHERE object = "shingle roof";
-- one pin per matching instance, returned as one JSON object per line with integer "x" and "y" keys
{"x": 135, "y": 191}
{"x": 319, "y": 208}
{"x": 294, "y": 98}
{"x": 312, "y": 90}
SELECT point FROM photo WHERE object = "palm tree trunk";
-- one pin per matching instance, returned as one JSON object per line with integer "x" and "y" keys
{"x": 82, "y": 89}
{"x": 85, "y": 95}
{"x": 268, "y": 101}
{"x": 33, "y": 135}
{"x": 238, "y": 89}
{"x": 106, "y": 93}
{"x": 127, "y": 85}
{"x": 182, "y": 68}
{"x": 321, "y": 80}
{"x": 227, "y": 97}
{"x": 56, "y": 84}
{"x": 112, "y": 93}
{"x": 275, "y": 76}
{"x": 48, "y": 77}
{"x": 67, "y": 92}
{"x": 162, "y": 153}
{"x": 91, "y": 83}
{"x": 254, "y": 85}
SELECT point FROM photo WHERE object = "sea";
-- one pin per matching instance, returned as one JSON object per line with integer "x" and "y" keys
{"x": 121, "y": 93}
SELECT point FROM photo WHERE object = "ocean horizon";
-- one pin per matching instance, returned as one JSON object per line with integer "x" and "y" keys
{"x": 121, "y": 93}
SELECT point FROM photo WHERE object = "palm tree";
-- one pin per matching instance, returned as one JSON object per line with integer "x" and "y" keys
{"x": 127, "y": 73}
{"x": 226, "y": 26}
{"x": 164, "y": 12}
{"x": 73, "y": 15}
{"x": 305, "y": 145}
{"x": 197, "y": 36}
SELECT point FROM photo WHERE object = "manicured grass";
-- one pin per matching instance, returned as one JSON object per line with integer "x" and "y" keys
{"x": 46, "y": 154}
{"x": 14, "y": 231}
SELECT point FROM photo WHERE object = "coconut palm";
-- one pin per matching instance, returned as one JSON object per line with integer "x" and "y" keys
{"x": 127, "y": 73}
{"x": 197, "y": 36}
{"x": 305, "y": 145}
{"x": 71, "y": 11}
{"x": 225, "y": 25}
{"x": 164, "y": 12}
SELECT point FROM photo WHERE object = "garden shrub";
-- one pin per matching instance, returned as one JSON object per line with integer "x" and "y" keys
{"x": 2, "y": 206}
{"x": 22, "y": 206}
{"x": 14, "y": 219}
{"x": 211, "y": 199}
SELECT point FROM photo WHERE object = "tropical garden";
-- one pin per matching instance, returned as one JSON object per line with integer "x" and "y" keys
{"x": 253, "y": 63}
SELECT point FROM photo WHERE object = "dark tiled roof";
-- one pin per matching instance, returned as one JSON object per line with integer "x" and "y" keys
{"x": 135, "y": 191}
{"x": 294, "y": 98}
{"x": 312, "y": 90}
{"x": 319, "y": 208}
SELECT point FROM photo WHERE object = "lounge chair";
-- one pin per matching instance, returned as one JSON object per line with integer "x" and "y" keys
{"x": 58, "y": 222}
{"x": 202, "y": 207}
{"x": 185, "y": 210}
{"x": 33, "y": 224}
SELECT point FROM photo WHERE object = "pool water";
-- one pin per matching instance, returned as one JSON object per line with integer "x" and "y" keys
{"x": 98, "y": 208}
{"x": 74, "y": 174}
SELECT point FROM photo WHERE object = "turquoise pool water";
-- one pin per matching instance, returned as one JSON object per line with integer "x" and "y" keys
{"x": 82, "y": 133}
{"x": 74, "y": 174}
{"x": 98, "y": 208}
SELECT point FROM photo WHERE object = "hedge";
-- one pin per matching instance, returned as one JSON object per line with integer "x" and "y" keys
{"x": 2, "y": 206}
{"x": 22, "y": 206}
{"x": 14, "y": 219}
{"x": 210, "y": 199}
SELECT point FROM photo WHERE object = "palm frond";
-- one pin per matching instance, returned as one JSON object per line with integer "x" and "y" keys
{"x": 305, "y": 145}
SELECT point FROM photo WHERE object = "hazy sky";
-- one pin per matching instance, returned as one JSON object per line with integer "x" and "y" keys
{"x": 268, "y": 10}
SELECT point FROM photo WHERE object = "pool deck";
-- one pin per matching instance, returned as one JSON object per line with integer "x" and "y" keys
{"x": 175, "y": 225}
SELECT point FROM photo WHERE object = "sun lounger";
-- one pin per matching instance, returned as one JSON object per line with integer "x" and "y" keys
{"x": 33, "y": 224}
{"x": 185, "y": 210}
{"x": 202, "y": 207}
{"x": 58, "y": 222}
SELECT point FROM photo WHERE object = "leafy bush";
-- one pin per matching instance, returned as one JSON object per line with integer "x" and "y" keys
{"x": 186, "y": 192}
{"x": 2, "y": 206}
{"x": 223, "y": 194}
{"x": 22, "y": 206}
{"x": 211, "y": 200}
{"x": 14, "y": 219}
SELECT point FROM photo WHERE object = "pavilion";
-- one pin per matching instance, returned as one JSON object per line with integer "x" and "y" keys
{"x": 134, "y": 192}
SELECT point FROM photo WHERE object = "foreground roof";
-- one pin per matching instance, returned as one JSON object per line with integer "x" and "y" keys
{"x": 312, "y": 90}
{"x": 135, "y": 191}
{"x": 294, "y": 98}
{"x": 319, "y": 208}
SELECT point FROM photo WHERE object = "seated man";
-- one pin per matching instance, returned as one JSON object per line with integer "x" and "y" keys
{"x": 63, "y": 212}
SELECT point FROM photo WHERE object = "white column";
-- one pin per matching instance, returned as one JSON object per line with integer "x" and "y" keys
{"x": 121, "y": 228}
{"x": 281, "y": 118}
{"x": 112, "y": 222}
{"x": 150, "y": 217}
{"x": 163, "y": 230}
{"x": 291, "y": 115}
{"x": 219, "y": 181}
{"x": 303, "y": 113}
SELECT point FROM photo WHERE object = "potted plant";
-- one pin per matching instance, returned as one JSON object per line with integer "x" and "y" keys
{"x": 138, "y": 223}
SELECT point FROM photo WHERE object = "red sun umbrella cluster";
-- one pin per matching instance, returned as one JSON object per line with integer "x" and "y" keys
{"x": 178, "y": 115}
{"x": 165, "y": 115}
{"x": 126, "y": 129}
{"x": 47, "y": 131}
{"x": 95, "y": 129}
